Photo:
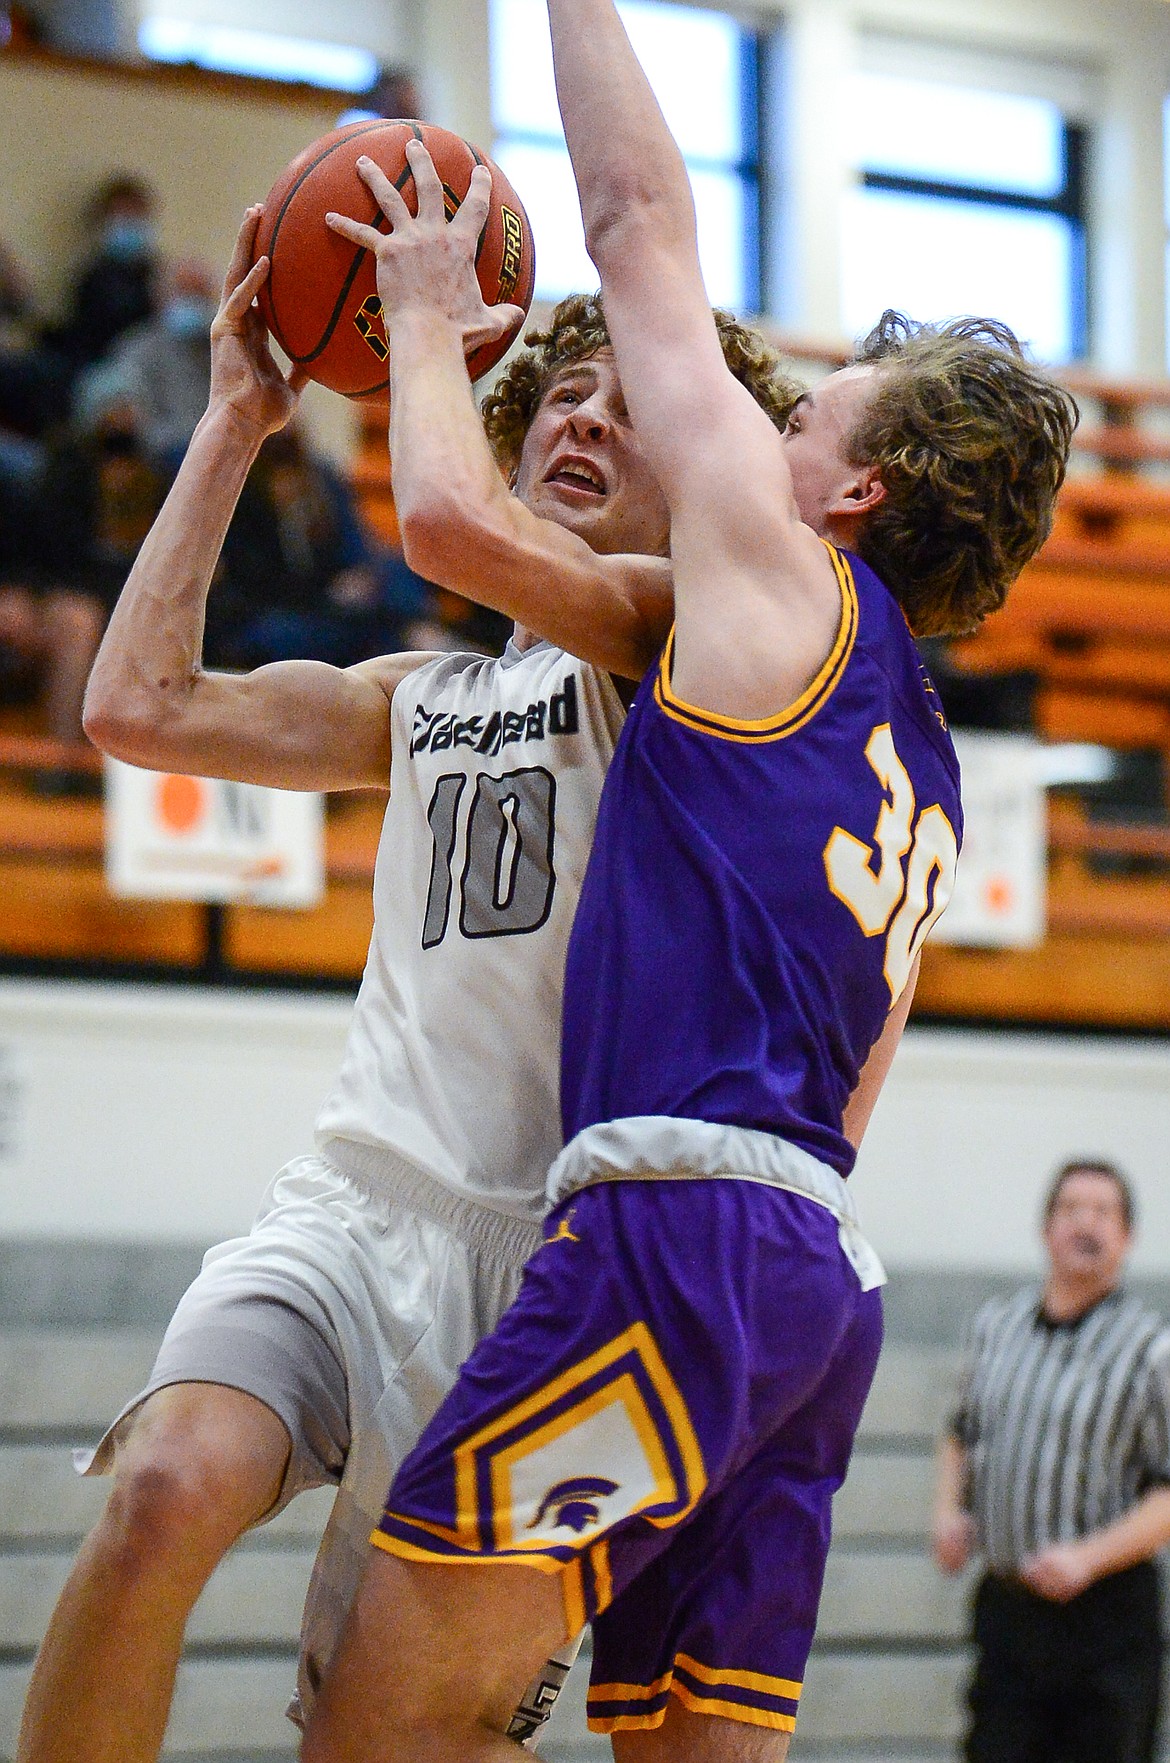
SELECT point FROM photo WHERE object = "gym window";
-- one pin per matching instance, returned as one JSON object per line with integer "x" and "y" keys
{"x": 703, "y": 67}
{"x": 261, "y": 54}
{"x": 967, "y": 201}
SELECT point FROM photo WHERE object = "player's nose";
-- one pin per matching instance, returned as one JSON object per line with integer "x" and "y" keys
{"x": 590, "y": 419}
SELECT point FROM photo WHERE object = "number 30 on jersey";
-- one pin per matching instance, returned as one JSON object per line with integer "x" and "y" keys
{"x": 887, "y": 895}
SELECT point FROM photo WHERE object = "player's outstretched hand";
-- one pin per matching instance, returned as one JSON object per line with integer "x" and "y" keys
{"x": 245, "y": 377}
{"x": 426, "y": 262}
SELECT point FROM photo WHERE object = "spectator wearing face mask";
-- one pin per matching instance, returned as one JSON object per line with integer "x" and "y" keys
{"x": 100, "y": 495}
{"x": 115, "y": 289}
{"x": 165, "y": 364}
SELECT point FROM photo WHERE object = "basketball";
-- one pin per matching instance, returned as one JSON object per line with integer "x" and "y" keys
{"x": 321, "y": 300}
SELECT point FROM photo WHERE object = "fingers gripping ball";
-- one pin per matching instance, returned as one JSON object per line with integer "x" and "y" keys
{"x": 320, "y": 300}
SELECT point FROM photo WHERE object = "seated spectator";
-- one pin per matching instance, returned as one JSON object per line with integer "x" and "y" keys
{"x": 34, "y": 389}
{"x": 96, "y": 502}
{"x": 165, "y": 363}
{"x": 302, "y": 576}
{"x": 1003, "y": 702}
{"x": 48, "y": 635}
{"x": 115, "y": 289}
{"x": 449, "y": 622}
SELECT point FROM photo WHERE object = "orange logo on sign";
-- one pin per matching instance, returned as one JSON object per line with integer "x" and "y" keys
{"x": 180, "y": 803}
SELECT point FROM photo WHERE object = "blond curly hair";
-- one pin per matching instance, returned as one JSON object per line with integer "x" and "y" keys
{"x": 576, "y": 330}
{"x": 971, "y": 441}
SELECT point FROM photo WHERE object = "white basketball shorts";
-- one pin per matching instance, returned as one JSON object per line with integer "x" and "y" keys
{"x": 348, "y": 1314}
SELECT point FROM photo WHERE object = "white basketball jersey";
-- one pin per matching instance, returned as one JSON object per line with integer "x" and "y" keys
{"x": 453, "y": 1058}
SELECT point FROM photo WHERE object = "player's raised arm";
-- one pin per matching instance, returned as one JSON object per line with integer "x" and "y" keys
{"x": 461, "y": 525}
{"x": 295, "y": 725}
{"x": 754, "y": 588}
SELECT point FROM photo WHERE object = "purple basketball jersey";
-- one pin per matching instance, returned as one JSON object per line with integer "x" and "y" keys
{"x": 758, "y": 891}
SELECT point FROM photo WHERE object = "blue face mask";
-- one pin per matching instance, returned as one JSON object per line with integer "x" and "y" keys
{"x": 186, "y": 316}
{"x": 126, "y": 240}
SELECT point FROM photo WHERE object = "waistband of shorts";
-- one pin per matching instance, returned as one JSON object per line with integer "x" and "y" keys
{"x": 664, "y": 1147}
{"x": 382, "y": 1174}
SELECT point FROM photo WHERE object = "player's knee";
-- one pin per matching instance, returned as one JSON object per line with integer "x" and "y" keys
{"x": 186, "y": 1482}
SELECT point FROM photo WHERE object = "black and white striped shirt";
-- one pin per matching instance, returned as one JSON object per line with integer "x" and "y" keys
{"x": 1065, "y": 1425}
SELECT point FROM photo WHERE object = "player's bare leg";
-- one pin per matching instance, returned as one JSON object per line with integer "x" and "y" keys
{"x": 684, "y": 1737}
{"x": 433, "y": 1661}
{"x": 196, "y": 1465}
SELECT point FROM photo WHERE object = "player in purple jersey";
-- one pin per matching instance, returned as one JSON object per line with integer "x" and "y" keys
{"x": 652, "y": 1436}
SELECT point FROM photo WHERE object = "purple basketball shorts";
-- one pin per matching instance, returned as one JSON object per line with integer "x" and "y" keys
{"x": 662, "y": 1417}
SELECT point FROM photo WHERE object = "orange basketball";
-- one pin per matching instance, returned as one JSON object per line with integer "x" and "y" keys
{"x": 320, "y": 300}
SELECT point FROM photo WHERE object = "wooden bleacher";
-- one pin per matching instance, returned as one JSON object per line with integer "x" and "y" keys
{"x": 1090, "y": 618}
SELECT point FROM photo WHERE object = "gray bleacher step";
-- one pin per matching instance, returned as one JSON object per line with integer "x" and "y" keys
{"x": 887, "y": 1493}
{"x": 254, "y": 1598}
{"x": 59, "y": 1378}
{"x": 881, "y": 1598}
{"x": 854, "y": 1709}
{"x": 42, "y": 1497}
{"x": 234, "y": 1705}
{"x": 913, "y": 1392}
{"x": 863, "y": 1700}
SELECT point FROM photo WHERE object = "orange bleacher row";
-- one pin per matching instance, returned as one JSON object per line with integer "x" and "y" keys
{"x": 1089, "y": 621}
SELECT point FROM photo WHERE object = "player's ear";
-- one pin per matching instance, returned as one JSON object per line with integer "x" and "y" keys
{"x": 860, "y": 494}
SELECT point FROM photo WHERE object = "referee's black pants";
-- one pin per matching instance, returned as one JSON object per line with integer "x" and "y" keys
{"x": 1067, "y": 1683}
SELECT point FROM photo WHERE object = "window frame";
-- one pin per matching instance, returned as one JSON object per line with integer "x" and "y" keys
{"x": 1069, "y": 203}
{"x": 748, "y": 171}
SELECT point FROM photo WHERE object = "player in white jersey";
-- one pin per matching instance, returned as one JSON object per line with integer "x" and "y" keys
{"x": 315, "y": 1349}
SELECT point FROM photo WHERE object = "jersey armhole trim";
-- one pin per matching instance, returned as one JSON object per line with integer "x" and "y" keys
{"x": 796, "y": 714}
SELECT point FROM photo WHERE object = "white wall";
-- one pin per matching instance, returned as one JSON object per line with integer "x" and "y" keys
{"x": 144, "y": 1114}
{"x": 972, "y": 1125}
{"x": 151, "y": 1114}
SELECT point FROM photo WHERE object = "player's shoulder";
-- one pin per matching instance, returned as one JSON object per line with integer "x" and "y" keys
{"x": 516, "y": 669}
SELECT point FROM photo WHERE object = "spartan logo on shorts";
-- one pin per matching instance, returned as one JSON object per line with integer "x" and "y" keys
{"x": 372, "y": 326}
{"x": 512, "y": 255}
{"x": 607, "y": 1440}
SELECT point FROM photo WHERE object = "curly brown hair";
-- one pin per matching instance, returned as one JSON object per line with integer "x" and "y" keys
{"x": 576, "y": 330}
{"x": 971, "y": 440}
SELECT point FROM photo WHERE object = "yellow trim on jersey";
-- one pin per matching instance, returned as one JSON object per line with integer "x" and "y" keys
{"x": 638, "y": 1339}
{"x": 801, "y": 710}
{"x": 741, "y": 1711}
{"x": 787, "y": 1687}
{"x": 631, "y": 1692}
{"x": 443, "y": 1558}
{"x": 742, "y": 1680}
{"x": 602, "y": 1577}
{"x": 573, "y": 1589}
{"x": 734, "y": 1710}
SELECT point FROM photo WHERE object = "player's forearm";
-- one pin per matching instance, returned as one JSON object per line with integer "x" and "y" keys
{"x": 628, "y": 168}
{"x": 1138, "y": 1536}
{"x": 445, "y": 478}
{"x": 148, "y": 664}
{"x": 463, "y": 529}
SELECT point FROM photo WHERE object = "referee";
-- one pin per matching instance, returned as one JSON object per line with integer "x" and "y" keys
{"x": 1057, "y": 1469}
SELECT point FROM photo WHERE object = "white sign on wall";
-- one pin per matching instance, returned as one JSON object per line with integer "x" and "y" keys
{"x": 170, "y": 837}
{"x": 1000, "y": 889}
